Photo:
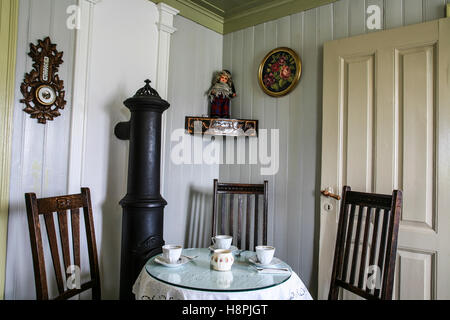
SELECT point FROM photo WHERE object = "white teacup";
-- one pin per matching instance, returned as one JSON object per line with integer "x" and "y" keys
{"x": 171, "y": 253}
{"x": 222, "y": 242}
{"x": 265, "y": 254}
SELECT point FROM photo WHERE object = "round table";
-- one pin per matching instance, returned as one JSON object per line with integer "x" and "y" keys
{"x": 196, "y": 280}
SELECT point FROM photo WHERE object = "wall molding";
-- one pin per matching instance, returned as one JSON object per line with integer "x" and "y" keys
{"x": 9, "y": 10}
{"x": 165, "y": 26}
{"x": 80, "y": 94}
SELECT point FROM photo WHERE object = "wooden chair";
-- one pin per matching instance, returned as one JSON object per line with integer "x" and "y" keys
{"x": 46, "y": 207}
{"x": 247, "y": 199}
{"x": 376, "y": 224}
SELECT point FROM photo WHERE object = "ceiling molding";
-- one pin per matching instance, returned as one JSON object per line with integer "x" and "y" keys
{"x": 226, "y": 19}
{"x": 268, "y": 12}
{"x": 196, "y": 13}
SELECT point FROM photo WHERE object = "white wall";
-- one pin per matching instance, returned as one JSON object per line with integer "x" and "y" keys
{"x": 123, "y": 54}
{"x": 124, "y": 51}
{"x": 39, "y": 152}
{"x": 294, "y": 192}
{"x": 196, "y": 52}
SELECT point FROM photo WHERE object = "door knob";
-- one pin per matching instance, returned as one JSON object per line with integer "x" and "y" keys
{"x": 329, "y": 194}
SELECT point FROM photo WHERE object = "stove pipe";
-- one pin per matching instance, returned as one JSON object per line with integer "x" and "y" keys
{"x": 143, "y": 205}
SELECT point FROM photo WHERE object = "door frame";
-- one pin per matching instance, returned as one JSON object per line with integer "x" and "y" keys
{"x": 9, "y": 10}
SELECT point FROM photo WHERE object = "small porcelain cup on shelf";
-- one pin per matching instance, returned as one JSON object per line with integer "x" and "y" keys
{"x": 265, "y": 254}
{"x": 222, "y": 242}
{"x": 222, "y": 260}
{"x": 171, "y": 253}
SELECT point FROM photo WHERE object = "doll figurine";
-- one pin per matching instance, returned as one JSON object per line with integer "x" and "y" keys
{"x": 220, "y": 94}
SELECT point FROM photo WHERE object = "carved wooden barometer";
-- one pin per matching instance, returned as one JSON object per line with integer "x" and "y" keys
{"x": 42, "y": 89}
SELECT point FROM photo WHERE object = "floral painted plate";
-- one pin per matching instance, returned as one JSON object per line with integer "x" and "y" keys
{"x": 279, "y": 72}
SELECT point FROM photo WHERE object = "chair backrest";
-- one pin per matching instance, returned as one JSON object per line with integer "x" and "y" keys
{"x": 225, "y": 215}
{"x": 366, "y": 244}
{"x": 46, "y": 207}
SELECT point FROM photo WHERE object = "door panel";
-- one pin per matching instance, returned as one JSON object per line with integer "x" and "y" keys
{"x": 417, "y": 131}
{"x": 416, "y": 270}
{"x": 358, "y": 91}
{"x": 386, "y": 126}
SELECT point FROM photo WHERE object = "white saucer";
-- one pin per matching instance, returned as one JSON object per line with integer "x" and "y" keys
{"x": 179, "y": 263}
{"x": 274, "y": 262}
{"x": 232, "y": 248}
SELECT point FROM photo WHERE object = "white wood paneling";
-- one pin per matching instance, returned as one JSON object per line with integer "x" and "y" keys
{"x": 79, "y": 147}
{"x": 294, "y": 189}
{"x": 417, "y": 125}
{"x": 415, "y": 269}
{"x": 40, "y": 153}
{"x": 124, "y": 54}
{"x": 196, "y": 54}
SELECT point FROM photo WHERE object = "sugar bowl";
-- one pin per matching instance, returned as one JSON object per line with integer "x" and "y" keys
{"x": 222, "y": 260}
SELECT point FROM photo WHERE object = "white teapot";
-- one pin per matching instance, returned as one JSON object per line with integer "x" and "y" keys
{"x": 222, "y": 260}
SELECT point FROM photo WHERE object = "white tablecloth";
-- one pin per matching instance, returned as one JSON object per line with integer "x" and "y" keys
{"x": 148, "y": 288}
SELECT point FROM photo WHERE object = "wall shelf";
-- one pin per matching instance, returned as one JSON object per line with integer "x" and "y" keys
{"x": 222, "y": 127}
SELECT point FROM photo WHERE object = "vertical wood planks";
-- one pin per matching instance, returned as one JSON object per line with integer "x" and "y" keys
{"x": 57, "y": 133}
{"x": 283, "y": 27}
{"x": 374, "y": 242}
{"x": 64, "y": 236}
{"x": 413, "y": 11}
{"x": 248, "y": 223}
{"x": 258, "y": 110}
{"x": 394, "y": 14}
{"x": 357, "y": 17}
{"x": 307, "y": 31}
{"x": 356, "y": 245}
{"x": 240, "y": 218}
{"x": 341, "y": 19}
{"x": 434, "y": 9}
{"x": 223, "y": 215}
{"x": 294, "y": 163}
{"x": 256, "y": 218}
{"x": 75, "y": 223}
{"x": 362, "y": 268}
{"x": 348, "y": 242}
{"x": 383, "y": 241}
{"x": 231, "y": 213}
{"x": 270, "y": 120}
{"x": 53, "y": 242}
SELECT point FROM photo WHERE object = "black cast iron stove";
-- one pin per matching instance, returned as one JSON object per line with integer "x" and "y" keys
{"x": 143, "y": 205}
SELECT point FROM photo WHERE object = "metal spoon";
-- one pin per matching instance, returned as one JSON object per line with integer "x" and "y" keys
{"x": 279, "y": 269}
{"x": 189, "y": 257}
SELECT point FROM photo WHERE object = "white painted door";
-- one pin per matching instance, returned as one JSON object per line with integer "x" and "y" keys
{"x": 386, "y": 125}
